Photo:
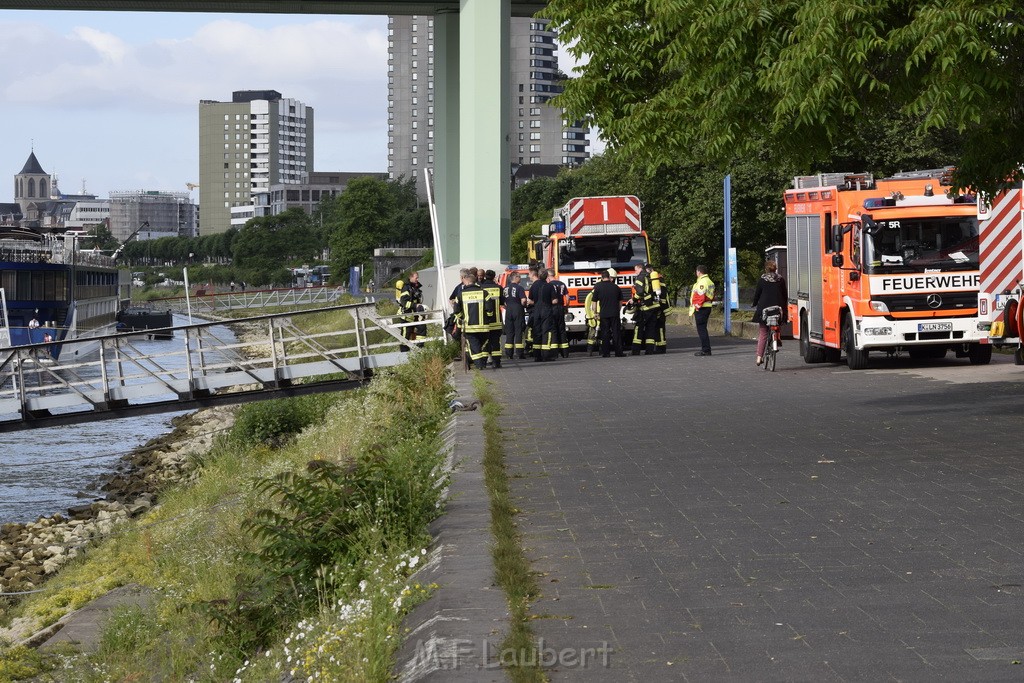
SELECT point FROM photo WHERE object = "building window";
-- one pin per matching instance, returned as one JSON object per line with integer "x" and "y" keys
{"x": 535, "y": 123}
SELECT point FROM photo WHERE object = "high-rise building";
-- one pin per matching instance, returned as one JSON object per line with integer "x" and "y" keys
{"x": 538, "y": 133}
{"x": 256, "y": 140}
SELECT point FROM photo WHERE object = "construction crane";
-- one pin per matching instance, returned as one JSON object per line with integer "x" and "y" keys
{"x": 117, "y": 252}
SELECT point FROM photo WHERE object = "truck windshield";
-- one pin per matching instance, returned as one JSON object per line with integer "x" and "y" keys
{"x": 601, "y": 251}
{"x": 917, "y": 244}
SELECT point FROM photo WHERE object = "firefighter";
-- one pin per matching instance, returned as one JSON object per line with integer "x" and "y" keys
{"x": 515, "y": 317}
{"x": 591, "y": 309}
{"x": 539, "y": 315}
{"x": 470, "y": 305}
{"x": 409, "y": 298}
{"x": 640, "y": 293}
{"x": 495, "y": 301}
{"x": 531, "y": 276}
{"x": 701, "y": 296}
{"x": 660, "y": 287}
{"x": 608, "y": 302}
{"x": 559, "y": 343}
{"x": 650, "y": 307}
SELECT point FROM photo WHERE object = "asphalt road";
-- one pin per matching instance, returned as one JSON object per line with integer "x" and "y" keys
{"x": 700, "y": 519}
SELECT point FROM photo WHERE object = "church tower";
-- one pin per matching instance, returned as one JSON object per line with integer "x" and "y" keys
{"x": 31, "y": 186}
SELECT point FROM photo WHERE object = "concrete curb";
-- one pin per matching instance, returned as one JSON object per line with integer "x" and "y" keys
{"x": 451, "y": 637}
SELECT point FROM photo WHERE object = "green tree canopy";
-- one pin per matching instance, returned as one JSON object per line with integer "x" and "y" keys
{"x": 671, "y": 79}
{"x": 265, "y": 245}
{"x": 372, "y": 213}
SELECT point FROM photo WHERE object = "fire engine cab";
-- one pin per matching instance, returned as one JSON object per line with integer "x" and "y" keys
{"x": 589, "y": 235}
{"x": 883, "y": 265}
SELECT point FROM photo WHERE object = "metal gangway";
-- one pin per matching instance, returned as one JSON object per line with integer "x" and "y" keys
{"x": 218, "y": 303}
{"x": 202, "y": 366}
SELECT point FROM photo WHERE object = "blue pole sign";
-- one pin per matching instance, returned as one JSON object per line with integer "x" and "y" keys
{"x": 734, "y": 289}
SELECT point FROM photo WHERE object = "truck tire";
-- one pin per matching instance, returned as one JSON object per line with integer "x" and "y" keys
{"x": 980, "y": 354}
{"x": 855, "y": 360}
{"x": 1018, "y": 355}
{"x": 809, "y": 352}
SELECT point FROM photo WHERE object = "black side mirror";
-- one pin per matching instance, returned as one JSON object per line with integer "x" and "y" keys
{"x": 837, "y": 260}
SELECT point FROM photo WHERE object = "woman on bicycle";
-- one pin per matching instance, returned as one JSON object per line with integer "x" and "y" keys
{"x": 771, "y": 291}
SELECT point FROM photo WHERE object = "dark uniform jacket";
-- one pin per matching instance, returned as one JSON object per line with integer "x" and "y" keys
{"x": 609, "y": 297}
{"x": 471, "y": 303}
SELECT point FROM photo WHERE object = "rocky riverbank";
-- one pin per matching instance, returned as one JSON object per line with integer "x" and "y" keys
{"x": 31, "y": 552}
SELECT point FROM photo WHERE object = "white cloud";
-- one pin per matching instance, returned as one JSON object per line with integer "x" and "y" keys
{"x": 114, "y": 96}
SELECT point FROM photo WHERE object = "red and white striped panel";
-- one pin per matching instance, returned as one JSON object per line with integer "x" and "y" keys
{"x": 1001, "y": 245}
{"x": 619, "y": 213}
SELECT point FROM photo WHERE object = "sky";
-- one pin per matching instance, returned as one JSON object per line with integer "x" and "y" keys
{"x": 109, "y": 100}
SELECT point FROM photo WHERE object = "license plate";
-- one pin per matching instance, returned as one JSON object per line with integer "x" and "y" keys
{"x": 934, "y": 327}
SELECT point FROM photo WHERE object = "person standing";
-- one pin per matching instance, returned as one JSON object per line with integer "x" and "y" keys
{"x": 770, "y": 291}
{"x": 515, "y": 317}
{"x": 644, "y": 311}
{"x": 492, "y": 311}
{"x": 539, "y": 315}
{"x": 609, "y": 302}
{"x": 409, "y": 297}
{"x": 590, "y": 309}
{"x": 660, "y": 288}
{"x": 469, "y": 306}
{"x": 701, "y": 296}
{"x": 559, "y": 302}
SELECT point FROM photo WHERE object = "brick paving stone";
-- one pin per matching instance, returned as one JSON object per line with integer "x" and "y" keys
{"x": 711, "y": 521}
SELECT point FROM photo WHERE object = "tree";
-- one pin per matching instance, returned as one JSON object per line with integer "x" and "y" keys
{"x": 372, "y": 213}
{"x": 670, "y": 79}
{"x": 100, "y": 237}
{"x": 265, "y": 245}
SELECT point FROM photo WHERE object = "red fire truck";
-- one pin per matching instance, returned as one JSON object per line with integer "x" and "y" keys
{"x": 883, "y": 265}
{"x": 1002, "y": 270}
{"x": 589, "y": 235}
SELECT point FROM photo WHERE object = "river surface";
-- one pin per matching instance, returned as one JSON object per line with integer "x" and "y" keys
{"x": 45, "y": 471}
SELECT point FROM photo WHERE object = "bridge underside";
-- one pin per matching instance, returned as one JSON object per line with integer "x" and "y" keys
{"x": 471, "y": 171}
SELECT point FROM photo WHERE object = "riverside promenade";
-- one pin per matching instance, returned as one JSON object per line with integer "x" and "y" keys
{"x": 700, "y": 519}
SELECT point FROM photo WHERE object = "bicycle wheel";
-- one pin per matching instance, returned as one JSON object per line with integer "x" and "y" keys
{"x": 769, "y": 361}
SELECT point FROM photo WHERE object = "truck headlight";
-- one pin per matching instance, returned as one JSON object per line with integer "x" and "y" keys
{"x": 879, "y": 307}
{"x": 877, "y": 331}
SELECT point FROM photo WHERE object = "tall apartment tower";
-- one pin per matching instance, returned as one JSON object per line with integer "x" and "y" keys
{"x": 256, "y": 140}
{"x": 538, "y": 133}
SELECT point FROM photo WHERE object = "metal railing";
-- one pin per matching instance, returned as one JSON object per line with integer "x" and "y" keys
{"x": 202, "y": 366}
{"x": 262, "y": 298}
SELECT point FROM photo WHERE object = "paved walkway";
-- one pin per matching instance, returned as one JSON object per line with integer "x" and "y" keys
{"x": 708, "y": 521}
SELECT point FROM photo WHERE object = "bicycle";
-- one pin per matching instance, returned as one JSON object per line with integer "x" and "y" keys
{"x": 772, "y": 317}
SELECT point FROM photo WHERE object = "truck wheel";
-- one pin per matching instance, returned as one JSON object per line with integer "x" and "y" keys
{"x": 1018, "y": 356}
{"x": 980, "y": 354}
{"x": 811, "y": 354}
{"x": 855, "y": 360}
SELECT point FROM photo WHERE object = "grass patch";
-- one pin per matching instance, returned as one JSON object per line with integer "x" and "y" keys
{"x": 512, "y": 569}
{"x": 287, "y": 557}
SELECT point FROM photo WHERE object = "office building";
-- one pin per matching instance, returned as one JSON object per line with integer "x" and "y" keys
{"x": 256, "y": 140}
{"x": 168, "y": 214}
{"x": 537, "y": 132}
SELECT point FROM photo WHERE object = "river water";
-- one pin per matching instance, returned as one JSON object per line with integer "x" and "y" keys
{"x": 44, "y": 471}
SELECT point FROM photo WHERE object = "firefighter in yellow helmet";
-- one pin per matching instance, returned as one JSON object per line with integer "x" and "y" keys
{"x": 660, "y": 288}
{"x": 410, "y": 296}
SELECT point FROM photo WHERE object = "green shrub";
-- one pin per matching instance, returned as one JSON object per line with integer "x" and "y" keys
{"x": 274, "y": 422}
